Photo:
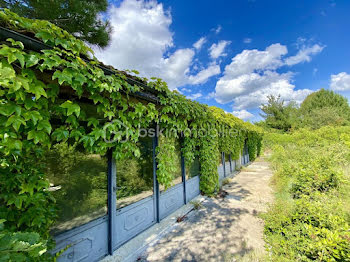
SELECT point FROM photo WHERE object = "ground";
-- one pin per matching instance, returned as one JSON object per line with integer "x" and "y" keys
{"x": 224, "y": 228}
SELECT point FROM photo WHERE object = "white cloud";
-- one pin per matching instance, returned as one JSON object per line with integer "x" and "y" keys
{"x": 258, "y": 97}
{"x": 218, "y": 29}
{"x": 340, "y": 82}
{"x": 184, "y": 89}
{"x": 198, "y": 45}
{"x": 141, "y": 39}
{"x": 211, "y": 95}
{"x": 194, "y": 96}
{"x": 304, "y": 54}
{"x": 250, "y": 60}
{"x": 247, "y": 40}
{"x": 217, "y": 50}
{"x": 205, "y": 74}
{"x": 252, "y": 76}
{"x": 228, "y": 90}
{"x": 176, "y": 68}
{"x": 242, "y": 114}
{"x": 140, "y": 36}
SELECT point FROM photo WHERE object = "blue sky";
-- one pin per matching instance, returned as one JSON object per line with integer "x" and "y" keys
{"x": 232, "y": 54}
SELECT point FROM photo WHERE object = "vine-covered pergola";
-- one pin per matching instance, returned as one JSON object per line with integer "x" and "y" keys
{"x": 72, "y": 157}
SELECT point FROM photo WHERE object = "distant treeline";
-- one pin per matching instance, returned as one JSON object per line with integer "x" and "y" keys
{"x": 319, "y": 109}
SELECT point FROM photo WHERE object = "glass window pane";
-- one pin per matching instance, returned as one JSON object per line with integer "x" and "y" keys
{"x": 176, "y": 158}
{"x": 220, "y": 160}
{"x": 227, "y": 157}
{"x": 194, "y": 169}
{"x": 135, "y": 175}
{"x": 78, "y": 181}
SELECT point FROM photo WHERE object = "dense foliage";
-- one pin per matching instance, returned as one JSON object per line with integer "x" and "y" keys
{"x": 81, "y": 18}
{"x": 320, "y": 108}
{"x": 310, "y": 219}
{"x": 57, "y": 97}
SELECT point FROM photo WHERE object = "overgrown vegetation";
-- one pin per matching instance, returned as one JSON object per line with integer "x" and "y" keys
{"x": 310, "y": 145}
{"x": 43, "y": 102}
{"x": 310, "y": 218}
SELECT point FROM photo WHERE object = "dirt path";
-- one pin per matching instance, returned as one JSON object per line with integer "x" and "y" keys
{"x": 223, "y": 229}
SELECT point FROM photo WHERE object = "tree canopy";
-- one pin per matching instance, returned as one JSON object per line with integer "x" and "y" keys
{"x": 324, "y": 107}
{"x": 319, "y": 109}
{"x": 278, "y": 114}
{"x": 81, "y": 18}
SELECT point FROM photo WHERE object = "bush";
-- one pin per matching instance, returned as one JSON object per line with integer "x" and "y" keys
{"x": 316, "y": 174}
{"x": 310, "y": 217}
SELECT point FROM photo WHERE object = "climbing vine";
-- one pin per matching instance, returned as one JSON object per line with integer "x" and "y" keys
{"x": 46, "y": 98}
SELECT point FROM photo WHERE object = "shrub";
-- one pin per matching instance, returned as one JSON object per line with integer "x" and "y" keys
{"x": 310, "y": 218}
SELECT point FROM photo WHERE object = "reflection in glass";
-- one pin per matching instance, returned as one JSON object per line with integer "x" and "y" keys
{"x": 176, "y": 157}
{"x": 135, "y": 175}
{"x": 245, "y": 148}
{"x": 78, "y": 181}
{"x": 193, "y": 170}
{"x": 220, "y": 160}
{"x": 227, "y": 157}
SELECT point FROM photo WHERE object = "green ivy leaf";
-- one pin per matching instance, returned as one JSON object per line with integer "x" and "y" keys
{"x": 44, "y": 125}
{"x": 71, "y": 108}
{"x": 97, "y": 133}
{"x": 9, "y": 109}
{"x": 32, "y": 115}
{"x": 31, "y": 60}
{"x": 7, "y": 73}
{"x": 88, "y": 141}
{"x": 61, "y": 134}
{"x": 27, "y": 188}
{"x": 45, "y": 36}
{"x": 76, "y": 134}
{"x": 16, "y": 144}
{"x": 15, "y": 43}
{"x": 16, "y": 122}
{"x": 93, "y": 121}
{"x": 18, "y": 204}
{"x": 37, "y": 89}
{"x": 63, "y": 42}
{"x": 37, "y": 136}
{"x": 11, "y": 58}
{"x": 53, "y": 90}
{"x": 65, "y": 76}
{"x": 29, "y": 103}
{"x": 20, "y": 58}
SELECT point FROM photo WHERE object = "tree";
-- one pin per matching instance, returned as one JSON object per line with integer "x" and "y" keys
{"x": 324, "y": 107}
{"x": 324, "y": 98}
{"x": 278, "y": 114}
{"x": 82, "y": 18}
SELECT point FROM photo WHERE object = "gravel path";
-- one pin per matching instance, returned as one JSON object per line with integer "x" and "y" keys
{"x": 223, "y": 229}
